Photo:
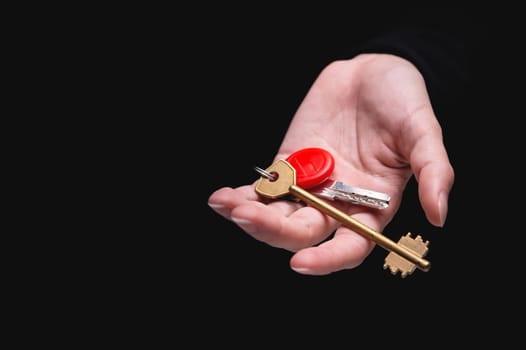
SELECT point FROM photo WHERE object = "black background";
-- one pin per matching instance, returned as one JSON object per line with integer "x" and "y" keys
{"x": 159, "y": 106}
{"x": 229, "y": 87}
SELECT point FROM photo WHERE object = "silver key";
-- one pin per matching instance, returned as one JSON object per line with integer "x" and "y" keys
{"x": 337, "y": 190}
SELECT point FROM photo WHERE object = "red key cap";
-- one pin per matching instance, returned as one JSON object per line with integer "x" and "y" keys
{"x": 313, "y": 166}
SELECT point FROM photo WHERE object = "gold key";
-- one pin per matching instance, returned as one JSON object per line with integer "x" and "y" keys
{"x": 404, "y": 256}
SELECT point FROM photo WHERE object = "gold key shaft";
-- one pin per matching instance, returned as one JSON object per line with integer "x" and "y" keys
{"x": 285, "y": 184}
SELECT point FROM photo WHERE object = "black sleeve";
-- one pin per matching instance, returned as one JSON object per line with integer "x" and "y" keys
{"x": 442, "y": 47}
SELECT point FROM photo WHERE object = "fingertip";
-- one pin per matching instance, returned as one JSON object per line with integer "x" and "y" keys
{"x": 215, "y": 206}
{"x": 306, "y": 262}
{"x": 346, "y": 250}
{"x": 442, "y": 208}
{"x": 302, "y": 270}
{"x": 219, "y": 200}
{"x": 247, "y": 225}
{"x": 434, "y": 187}
{"x": 218, "y": 195}
{"x": 305, "y": 269}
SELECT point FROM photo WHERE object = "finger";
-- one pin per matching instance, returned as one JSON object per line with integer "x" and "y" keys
{"x": 434, "y": 173}
{"x": 346, "y": 250}
{"x": 285, "y": 224}
{"x": 225, "y": 199}
{"x": 435, "y": 181}
{"x": 293, "y": 231}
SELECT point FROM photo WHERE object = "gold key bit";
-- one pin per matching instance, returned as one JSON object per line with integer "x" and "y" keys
{"x": 396, "y": 263}
{"x": 403, "y": 256}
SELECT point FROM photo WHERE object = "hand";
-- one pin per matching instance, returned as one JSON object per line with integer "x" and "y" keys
{"x": 374, "y": 115}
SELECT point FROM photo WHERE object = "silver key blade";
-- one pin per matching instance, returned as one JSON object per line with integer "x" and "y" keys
{"x": 337, "y": 190}
{"x": 341, "y": 187}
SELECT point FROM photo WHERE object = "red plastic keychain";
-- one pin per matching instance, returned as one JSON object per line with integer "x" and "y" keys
{"x": 313, "y": 166}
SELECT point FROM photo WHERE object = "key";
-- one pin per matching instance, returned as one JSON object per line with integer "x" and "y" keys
{"x": 337, "y": 190}
{"x": 396, "y": 263}
{"x": 279, "y": 180}
{"x": 313, "y": 168}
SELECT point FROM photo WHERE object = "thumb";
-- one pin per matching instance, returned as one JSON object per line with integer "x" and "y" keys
{"x": 434, "y": 174}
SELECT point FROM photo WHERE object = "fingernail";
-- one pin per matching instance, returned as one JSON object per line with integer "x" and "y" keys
{"x": 302, "y": 270}
{"x": 442, "y": 207}
{"x": 216, "y": 206}
{"x": 245, "y": 224}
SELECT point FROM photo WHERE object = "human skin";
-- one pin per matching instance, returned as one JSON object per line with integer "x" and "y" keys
{"x": 374, "y": 115}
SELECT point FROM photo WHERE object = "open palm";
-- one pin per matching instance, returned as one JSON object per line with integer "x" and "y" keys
{"x": 373, "y": 114}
